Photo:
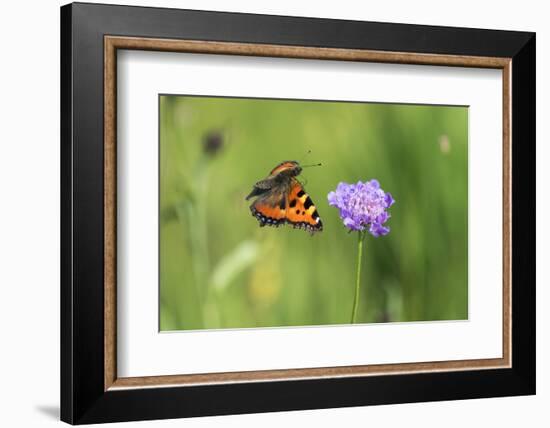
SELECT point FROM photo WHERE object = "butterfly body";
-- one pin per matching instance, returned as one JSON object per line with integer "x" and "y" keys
{"x": 281, "y": 199}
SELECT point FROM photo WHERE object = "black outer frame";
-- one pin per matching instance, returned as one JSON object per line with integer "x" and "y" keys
{"x": 83, "y": 399}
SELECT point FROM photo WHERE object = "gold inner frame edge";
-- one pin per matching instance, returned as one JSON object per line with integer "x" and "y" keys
{"x": 113, "y": 43}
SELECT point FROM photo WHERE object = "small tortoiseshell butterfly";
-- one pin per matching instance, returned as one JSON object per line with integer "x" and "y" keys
{"x": 281, "y": 199}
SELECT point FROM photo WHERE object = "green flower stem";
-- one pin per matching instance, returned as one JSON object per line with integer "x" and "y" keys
{"x": 361, "y": 238}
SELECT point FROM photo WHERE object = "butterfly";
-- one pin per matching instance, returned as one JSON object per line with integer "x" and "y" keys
{"x": 281, "y": 198}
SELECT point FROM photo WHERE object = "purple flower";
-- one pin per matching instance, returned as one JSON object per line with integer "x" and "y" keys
{"x": 362, "y": 206}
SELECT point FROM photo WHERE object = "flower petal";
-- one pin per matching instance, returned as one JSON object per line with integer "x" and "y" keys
{"x": 389, "y": 200}
{"x": 374, "y": 183}
{"x": 350, "y": 223}
{"x": 377, "y": 230}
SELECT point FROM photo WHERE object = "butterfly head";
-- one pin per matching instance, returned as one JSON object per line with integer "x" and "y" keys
{"x": 287, "y": 168}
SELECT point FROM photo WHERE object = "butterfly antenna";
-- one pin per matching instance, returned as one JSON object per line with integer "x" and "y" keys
{"x": 303, "y": 157}
{"x": 313, "y": 164}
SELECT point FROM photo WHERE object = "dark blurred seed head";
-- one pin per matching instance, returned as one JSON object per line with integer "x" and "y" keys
{"x": 384, "y": 317}
{"x": 212, "y": 143}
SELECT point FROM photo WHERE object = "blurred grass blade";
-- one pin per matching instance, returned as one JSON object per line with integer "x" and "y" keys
{"x": 233, "y": 263}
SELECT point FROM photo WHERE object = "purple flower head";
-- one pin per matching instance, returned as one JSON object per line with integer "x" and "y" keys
{"x": 362, "y": 206}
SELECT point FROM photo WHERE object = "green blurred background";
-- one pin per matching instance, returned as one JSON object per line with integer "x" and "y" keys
{"x": 218, "y": 269}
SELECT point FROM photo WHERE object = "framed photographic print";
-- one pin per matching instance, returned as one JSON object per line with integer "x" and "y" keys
{"x": 265, "y": 213}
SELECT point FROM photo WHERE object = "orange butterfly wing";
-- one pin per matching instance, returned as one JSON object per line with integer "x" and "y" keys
{"x": 270, "y": 209}
{"x": 301, "y": 211}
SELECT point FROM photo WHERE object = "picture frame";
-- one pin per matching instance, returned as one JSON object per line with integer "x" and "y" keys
{"x": 91, "y": 390}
